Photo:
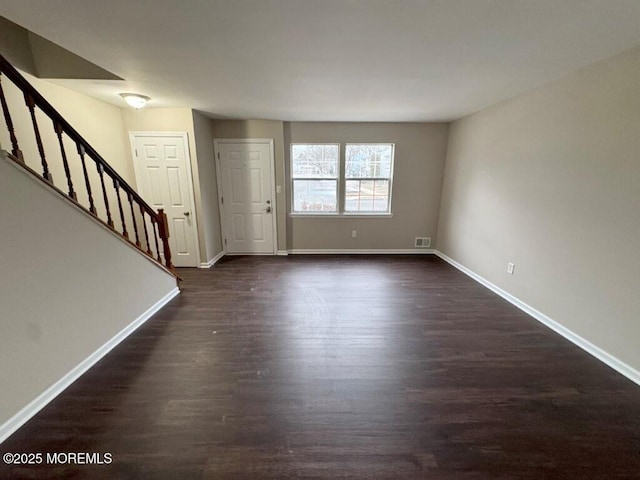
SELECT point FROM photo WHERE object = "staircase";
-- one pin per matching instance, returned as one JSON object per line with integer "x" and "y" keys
{"x": 61, "y": 158}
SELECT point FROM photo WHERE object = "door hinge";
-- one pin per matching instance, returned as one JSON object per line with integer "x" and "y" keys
{"x": 218, "y": 155}
{"x": 136, "y": 152}
{"x": 222, "y": 200}
{"x": 225, "y": 241}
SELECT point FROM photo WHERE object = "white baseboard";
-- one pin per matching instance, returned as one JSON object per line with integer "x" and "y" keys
{"x": 213, "y": 261}
{"x": 365, "y": 251}
{"x": 330, "y": 251}
{"x": 605, "y": 357}
{"x": 250, "y": 254}
{"x": 57, "y": 388}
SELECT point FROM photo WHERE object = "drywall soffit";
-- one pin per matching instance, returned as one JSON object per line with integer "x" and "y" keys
{"x": 44, "y": 59}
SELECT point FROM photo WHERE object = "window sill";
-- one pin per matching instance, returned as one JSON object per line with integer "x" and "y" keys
{"x": 341, "y": 215}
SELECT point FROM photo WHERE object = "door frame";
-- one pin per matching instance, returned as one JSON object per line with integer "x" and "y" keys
{"x": 187, "y": 155}
{"x": 274, "y": 206}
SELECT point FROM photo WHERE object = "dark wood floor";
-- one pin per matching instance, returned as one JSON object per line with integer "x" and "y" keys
{"x": 340, "y": 367}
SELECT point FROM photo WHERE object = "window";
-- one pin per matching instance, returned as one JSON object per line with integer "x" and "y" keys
{"x": 362, "y": 186}
{"x": 368, "y": 177}
{"x": 315, "y": 170}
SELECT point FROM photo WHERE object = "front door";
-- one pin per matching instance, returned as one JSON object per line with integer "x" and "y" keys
{"x": 163, "y": 176}
{"x": 247, "y": 200}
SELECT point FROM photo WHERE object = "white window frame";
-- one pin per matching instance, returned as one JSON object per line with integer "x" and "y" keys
{"x": 337, "y": 180}
{"x": 389, "y": 179}
{"x": 341, "y": 183}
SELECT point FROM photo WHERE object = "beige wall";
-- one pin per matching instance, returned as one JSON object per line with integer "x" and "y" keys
{"x": 417, "y": 178}
{"x": 99, "y": 123}
{"x": 272, "y": 129}
{"x": 550, "y": 180}
{"x": 159, "y": 120}
{"x": 61, "y": 274}
{"x": 210, "y": 219}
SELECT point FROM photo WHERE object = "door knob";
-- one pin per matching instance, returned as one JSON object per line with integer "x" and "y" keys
{"x": 186, "y": 214}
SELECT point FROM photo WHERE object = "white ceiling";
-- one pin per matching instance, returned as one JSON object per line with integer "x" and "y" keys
{"x": 332, "y": 60}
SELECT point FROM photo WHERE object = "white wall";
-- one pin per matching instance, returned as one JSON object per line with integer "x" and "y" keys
{"x": 550, "y": 180}
{"x": 67, "y": 287}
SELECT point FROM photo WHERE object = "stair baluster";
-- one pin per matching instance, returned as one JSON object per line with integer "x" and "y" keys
{"x": 104, "y": 194}
{"x": 135, "y": 224}
{"x": 15, "y": 149}
{"x": 58, "y": 129}
{"x": 92, "y": 207}
{"x": 46, "y": 174}
{"x": 146, "y": 233}
{"x": 155, "y": 236}
{"x": 116, "y": 185}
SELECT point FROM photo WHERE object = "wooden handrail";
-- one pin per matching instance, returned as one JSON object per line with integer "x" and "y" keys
{"x": 18, "y": 80}
{"x": 34, "y": 99}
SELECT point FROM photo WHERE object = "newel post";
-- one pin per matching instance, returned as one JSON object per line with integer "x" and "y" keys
{"x": 163, "y": 231}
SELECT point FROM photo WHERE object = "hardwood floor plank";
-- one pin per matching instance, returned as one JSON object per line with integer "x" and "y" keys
{"x": 328, "y": 367}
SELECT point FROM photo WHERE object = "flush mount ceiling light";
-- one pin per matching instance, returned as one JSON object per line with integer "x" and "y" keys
{"x": 134, "y": 100}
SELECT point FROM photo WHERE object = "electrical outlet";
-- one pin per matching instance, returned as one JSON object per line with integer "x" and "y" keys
{"x": 510, "y": 268}
{"x": 354, "y": 233}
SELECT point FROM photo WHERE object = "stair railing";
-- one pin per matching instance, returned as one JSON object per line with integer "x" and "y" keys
{"x": 138, "y": 210}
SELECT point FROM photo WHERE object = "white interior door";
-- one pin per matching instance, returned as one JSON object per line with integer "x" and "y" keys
{"x": 247, "y": 201}
{"x": 163, "y": 175}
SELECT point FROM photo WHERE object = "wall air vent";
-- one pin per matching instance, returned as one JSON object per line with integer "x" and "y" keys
{"x": 423, "y": 242}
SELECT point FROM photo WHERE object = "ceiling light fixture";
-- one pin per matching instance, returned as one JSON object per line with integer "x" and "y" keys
{"x": 134, "y": 100}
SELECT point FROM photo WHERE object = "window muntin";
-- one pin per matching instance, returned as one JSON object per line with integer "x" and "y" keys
{"x": 366, "y": 196}
{"x": 368, "y": 169}
{"x": 315, "y": 171}
{"x": 315, "y": 196}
